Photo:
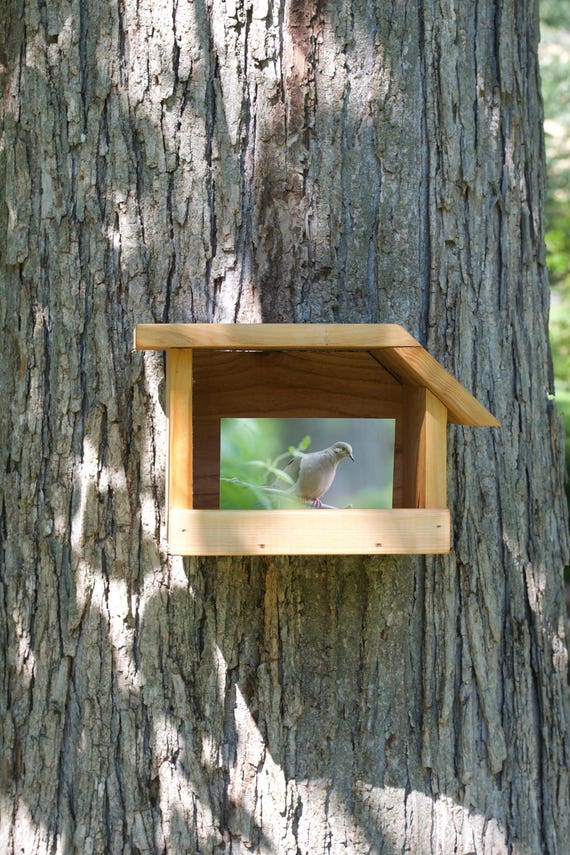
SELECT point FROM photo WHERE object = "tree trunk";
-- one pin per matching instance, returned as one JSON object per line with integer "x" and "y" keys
{"x": 282, "y": 160}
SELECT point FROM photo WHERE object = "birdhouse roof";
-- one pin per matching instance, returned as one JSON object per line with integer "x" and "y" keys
{"x": 407, "y": 362}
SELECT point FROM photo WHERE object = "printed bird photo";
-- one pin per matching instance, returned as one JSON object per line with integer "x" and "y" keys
{"x": 311, "y": 463}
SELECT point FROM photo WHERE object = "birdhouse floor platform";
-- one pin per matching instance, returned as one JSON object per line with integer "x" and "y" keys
{"x": 377, "y": 371}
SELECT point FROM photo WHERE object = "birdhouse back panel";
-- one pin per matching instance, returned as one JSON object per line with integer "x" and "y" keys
{"x": 293, "y": 385}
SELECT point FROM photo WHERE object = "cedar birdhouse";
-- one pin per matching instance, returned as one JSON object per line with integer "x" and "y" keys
{"x": 374, "y": 371}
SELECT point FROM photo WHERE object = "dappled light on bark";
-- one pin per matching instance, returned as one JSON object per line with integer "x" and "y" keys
{"x": 288, "y": 161}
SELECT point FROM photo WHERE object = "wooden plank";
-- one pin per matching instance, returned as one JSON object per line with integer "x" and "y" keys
{"x": 179, "y": 414}
{"x": 270, "y": 336}
{"x": 293, "y": 385}
{"x": 309, "y": 532}
{"x": 206, "y": 437}
{"x": 399, "y": 493}
{"x": 408, "y": 445}
{"x": 390, "y": 344}
{"x": 421, "y": 440}
{"x": 433, "y": 480}
{"x": 415, "y": 366}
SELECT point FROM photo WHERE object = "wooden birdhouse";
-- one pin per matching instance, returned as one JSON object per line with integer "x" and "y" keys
{"x": 356, "y": 371}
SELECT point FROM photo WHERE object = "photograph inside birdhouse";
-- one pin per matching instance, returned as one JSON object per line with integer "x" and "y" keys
{"x": 313, "y": 463}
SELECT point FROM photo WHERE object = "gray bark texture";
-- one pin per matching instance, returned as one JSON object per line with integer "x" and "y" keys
{"x": 276, "y": 161}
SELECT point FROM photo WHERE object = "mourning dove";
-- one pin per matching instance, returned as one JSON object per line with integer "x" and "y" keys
{"x": 314, "y": 473}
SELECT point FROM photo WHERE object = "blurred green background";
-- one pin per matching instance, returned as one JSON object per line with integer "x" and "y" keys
{"x": 253, "y": 449}
{"x": 555, "y": 73}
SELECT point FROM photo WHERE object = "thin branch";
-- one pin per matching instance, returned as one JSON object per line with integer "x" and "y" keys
{"x": 286, "y": 493}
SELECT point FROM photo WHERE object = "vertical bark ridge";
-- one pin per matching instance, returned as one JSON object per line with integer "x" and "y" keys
{"x": 290, "y": 161}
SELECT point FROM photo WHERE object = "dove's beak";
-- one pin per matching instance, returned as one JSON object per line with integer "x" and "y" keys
{"x": 351, "y": 457}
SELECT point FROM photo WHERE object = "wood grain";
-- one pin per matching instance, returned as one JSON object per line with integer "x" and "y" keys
{"x": 294, "y": 162}
{"x": 432, "y": 475}
{"x": 309, "y": 532}
{"x": 390, "y": 344}
{"x": 270, "y": 336}
{"x": 293, "y": 385}
{"x": 415, "y": 366}
{"x": 206, "y": 457}
{"x": 420, "y": 460}
{"x": 179, "y": 413}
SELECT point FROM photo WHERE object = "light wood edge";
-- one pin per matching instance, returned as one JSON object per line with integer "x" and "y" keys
{"x": 435, "y": 453}
{"x": 179, "y": 477}
{"x": 309, "y": 532}
{"x": 416, "y": 365}
{"x": 390, "y": 344}
{"x": 270, "y": 336}
{"x": 420, "y": 470}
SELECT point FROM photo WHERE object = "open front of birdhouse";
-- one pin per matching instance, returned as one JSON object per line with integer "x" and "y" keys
{"x": 362, "y": 371}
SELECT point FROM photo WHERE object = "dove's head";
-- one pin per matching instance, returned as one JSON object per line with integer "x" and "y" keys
{"x": 342, "y": 450}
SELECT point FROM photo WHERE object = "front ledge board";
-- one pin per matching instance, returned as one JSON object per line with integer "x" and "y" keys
{"x": 310, "y": 532}
{"x": 214, "y": 371}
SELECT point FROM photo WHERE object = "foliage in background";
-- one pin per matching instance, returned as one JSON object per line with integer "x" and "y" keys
{"x": 249, "y": 459}
{"x": 555, "y": 72}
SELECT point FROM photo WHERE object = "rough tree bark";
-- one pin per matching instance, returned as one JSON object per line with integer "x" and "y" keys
{"x": 282, "y": 160}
